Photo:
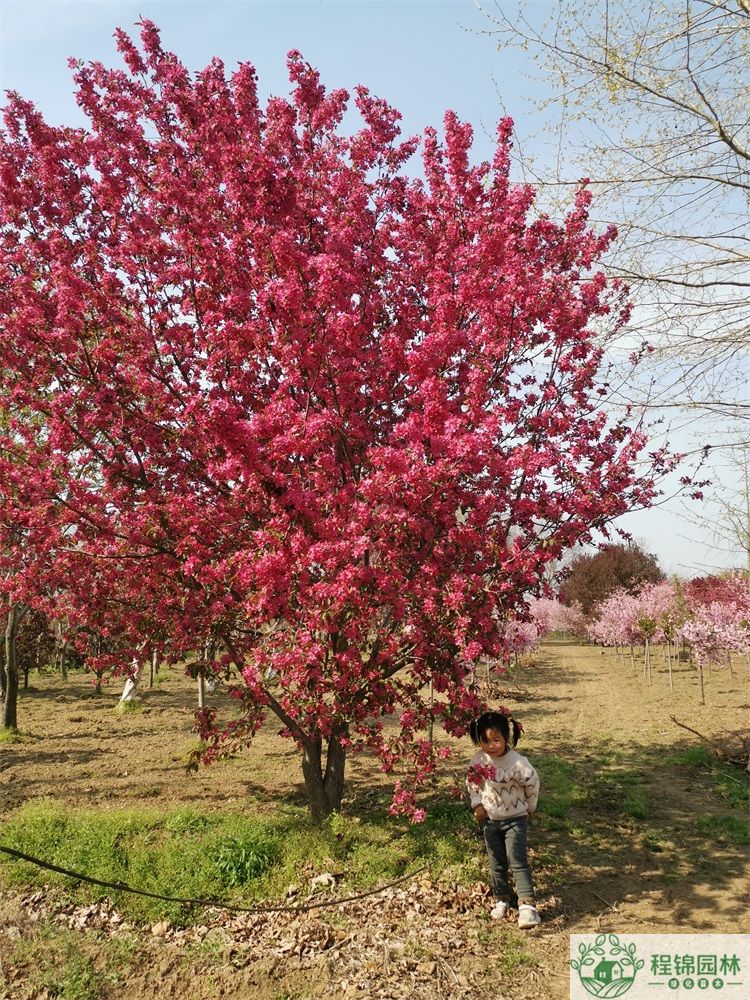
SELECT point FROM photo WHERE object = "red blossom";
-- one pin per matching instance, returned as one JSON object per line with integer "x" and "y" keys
{"x": 479, "y": 773}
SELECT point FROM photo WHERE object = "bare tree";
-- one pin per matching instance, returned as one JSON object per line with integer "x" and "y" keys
{"x": 653, "y": 105}
{"x": 728, "y": 521}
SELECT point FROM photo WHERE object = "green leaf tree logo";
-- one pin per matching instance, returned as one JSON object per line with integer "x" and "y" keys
{"x": 608, "y": 967}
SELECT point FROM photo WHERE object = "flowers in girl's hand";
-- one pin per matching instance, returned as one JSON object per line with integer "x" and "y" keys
{"x": 479, "y": 773}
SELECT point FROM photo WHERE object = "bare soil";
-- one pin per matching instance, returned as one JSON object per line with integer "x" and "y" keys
{"x": 598, "y": 866}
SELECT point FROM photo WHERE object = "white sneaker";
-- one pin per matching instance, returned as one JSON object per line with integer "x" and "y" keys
{"x": 499, "y": 910}
{"x": 527, "y": 916}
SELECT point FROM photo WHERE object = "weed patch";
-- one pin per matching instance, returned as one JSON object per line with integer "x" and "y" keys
{"x": 732, "y": 785}
{"x": 58, "y": 967}
{"x": 725, "y": 829}
{"x": 75, "y": 979}
{"x": 10, "y": 736}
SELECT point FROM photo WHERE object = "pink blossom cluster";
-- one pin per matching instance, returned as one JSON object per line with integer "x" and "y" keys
{"x": 551, "y": 615}
{"x": 477, "y": 774}
{"x": 615, "y": 620}
{"x": 519, "y": 637}
{"x": 718, "y": 628}
{"x": 653, "y": 614}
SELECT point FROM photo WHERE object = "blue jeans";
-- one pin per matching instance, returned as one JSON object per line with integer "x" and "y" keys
{"x": 505, "y": 840}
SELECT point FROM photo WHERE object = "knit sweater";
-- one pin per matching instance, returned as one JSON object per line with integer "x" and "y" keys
{"x": 514, "y": 789}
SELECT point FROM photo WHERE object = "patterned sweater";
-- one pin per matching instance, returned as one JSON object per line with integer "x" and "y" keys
{"x": 514, "y": 789}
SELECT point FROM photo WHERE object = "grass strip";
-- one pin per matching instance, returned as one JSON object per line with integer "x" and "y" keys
{"x": 235, "y": 858}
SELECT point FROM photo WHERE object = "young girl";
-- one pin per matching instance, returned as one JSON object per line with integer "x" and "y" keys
{"x": 504, "y": 789}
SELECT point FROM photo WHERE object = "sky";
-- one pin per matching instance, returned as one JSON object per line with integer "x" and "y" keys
{"x": 423, "y": 56}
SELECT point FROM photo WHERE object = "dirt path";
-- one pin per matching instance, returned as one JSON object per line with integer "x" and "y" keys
{"x": 630, "y": 838}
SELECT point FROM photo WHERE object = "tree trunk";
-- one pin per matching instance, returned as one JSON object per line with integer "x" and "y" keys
{"x": 3, "y": 678}
{"x": 324, "y": 789}
{"x": 154, "y": 664}
{"x": 669, "y": 664}
{"x": 10, "y": 702}
{"x": 61, "y": 651}
{"x": 130, "y": 689}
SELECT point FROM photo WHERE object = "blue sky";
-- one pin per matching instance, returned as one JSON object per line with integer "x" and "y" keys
{"x": 423, "y": 56}
{"x": 415, "y": 53}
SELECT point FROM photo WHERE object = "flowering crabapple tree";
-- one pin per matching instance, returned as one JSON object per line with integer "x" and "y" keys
{"x": 289, "y": 395}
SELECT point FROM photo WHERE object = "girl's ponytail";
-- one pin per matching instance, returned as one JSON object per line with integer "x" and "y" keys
{"x": 517, "y": 731}
{"x": 474, "y": 731}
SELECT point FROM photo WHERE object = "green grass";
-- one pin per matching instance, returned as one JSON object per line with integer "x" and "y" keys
{"x": 692, "y": 757}
{"x": 10, "y": 736}
{"x": 725, "y": 829}
{"x": 636, "y": 803}
{"x": 229, "y": 857}
{"x": 653, "y": 842}
{"x": 507, "y": 948}
{"x": 513, "y": 954}
{"x": 128, "y": 707}
{"x": 559, "y": 785}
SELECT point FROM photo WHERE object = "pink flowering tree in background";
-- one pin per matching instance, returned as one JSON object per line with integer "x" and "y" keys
{"x": 711, "y": 616}
{"x": 731, "y": 589}
{"x": 551, "y": 615}
{"x": 718, "y": 622}
{"x": 614, "y": 621}
{"x": 644, "y": 618}
{"x": 263, "y": 385}
{"x": 518, "y": 637}
{"x": 656, "y": 621}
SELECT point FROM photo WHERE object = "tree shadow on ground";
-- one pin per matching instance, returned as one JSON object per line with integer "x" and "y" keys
{"x": 633, "y": 824}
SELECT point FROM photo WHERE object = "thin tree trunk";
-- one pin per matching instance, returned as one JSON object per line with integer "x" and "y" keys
{"x": 669, "y": 666}
{"x": 154, "y": 665}
{"x": 700, "y": 678}
{"x": 431, "y": 725}
{"x": 3, "y": 678}
{"x": 61, "y": 651}
{"x": 10, "y": 702}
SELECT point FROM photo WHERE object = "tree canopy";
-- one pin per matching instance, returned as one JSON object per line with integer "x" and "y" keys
{"x": 263, "y": 385}
{"x": 592, "y": 577}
